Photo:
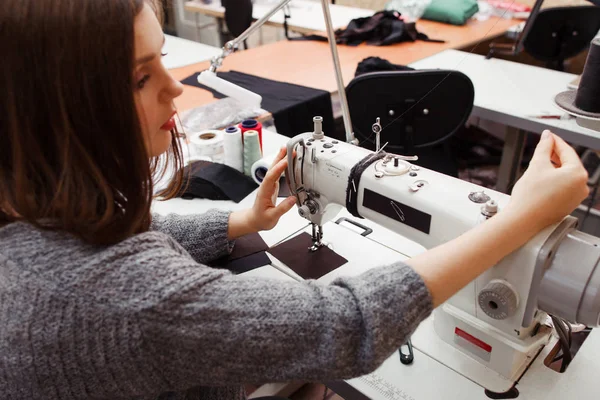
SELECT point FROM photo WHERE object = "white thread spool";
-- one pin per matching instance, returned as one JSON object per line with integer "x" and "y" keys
{"x": 252, "y": 151}
{"x": 233, "y": 148}
{"x": 208, "y": 143}
{"x": 261, "y": 167}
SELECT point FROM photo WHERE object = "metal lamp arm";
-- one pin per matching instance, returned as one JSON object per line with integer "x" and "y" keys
{"x": 232, "y": 45}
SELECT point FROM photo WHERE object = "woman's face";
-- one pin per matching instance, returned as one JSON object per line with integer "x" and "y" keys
{"x": 154, "y": 86}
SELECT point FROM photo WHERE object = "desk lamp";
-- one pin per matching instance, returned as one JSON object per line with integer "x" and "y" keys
{"x": 209, "y": 77}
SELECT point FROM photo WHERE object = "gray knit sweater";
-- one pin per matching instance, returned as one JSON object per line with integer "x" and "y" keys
{"x": 145, "y": 319}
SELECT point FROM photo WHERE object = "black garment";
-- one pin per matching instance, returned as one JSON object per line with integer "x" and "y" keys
{"x": 376, "y": 64}
{"x": 293, "y": 106}
{"x": 382, "y": 29}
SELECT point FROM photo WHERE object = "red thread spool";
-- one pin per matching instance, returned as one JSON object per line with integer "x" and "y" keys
{"x": 252, "y": 125}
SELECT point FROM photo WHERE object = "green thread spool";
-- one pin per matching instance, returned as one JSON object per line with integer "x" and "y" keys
{"x": 252, "y": 151}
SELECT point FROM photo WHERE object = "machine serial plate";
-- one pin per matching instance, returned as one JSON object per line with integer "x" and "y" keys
{"x": 398, "y": 211}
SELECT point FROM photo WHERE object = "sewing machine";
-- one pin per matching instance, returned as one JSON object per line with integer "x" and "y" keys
{"x": 493, "y": 328}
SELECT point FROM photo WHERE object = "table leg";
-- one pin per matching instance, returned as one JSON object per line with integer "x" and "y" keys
{"x": 512, "y": 154}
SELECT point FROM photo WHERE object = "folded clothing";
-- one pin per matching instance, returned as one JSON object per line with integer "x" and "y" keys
{"x": 214, "y": 181}
{"x": 456, "y": 12}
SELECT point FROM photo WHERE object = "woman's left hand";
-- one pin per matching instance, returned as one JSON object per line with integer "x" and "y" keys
{"x": 265, "y": 213}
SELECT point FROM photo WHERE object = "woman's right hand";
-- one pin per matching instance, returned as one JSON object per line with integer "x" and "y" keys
{"x": 553, "y": 186}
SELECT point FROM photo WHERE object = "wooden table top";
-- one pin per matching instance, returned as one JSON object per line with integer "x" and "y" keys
{"x": 309, "y": 63}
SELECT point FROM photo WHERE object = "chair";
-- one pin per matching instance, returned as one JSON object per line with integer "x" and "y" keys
{"x": 419, "y": 111}
{"x": 554, "y": 35}
{"x": 238, "y": 17}
{"x": 561, "y": 33}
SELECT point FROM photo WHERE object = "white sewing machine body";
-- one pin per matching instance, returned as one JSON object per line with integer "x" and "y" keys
{"x": 494, "y": 322}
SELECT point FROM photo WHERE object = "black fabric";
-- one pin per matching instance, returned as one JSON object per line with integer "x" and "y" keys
{"x": 296, "y": 255}
{"x": 215, "y": 181}
{"x": 293, "y": 106}
{"x": 248, "y": 253}
{"x": 381, "y": 29}
{"x": 244, "y": 246}
{"x": 248, "y": 263}
{"x": 376, "y": 64}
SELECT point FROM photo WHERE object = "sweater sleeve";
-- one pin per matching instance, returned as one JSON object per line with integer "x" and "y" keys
{"x": 203, "y": 326}
{"x": 203, "y": 236}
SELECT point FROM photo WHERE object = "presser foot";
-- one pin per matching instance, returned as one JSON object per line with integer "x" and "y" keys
{"x": 317, "y": 238}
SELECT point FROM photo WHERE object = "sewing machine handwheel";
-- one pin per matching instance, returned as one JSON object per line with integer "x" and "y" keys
{"x": 407, "y": 359}
{"x": 366, "y": 229}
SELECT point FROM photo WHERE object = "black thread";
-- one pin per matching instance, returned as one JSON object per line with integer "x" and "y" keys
{"x": 588, "y": 93}
{"x": 354, "y": 181}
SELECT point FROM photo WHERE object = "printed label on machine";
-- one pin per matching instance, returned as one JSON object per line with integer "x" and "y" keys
{"x": 398, "y": 211}
{"x": 472, "y": 344}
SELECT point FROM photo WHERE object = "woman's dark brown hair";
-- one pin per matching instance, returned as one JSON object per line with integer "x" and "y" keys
{"x": 72, "y": 154}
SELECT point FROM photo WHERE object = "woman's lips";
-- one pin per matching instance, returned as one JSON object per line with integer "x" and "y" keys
{"x": 170, "y": 124}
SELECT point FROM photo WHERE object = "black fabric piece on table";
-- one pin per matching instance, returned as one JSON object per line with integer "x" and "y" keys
{"x": 381, "y": 29}
{"x": 296, "y": 255}
{"x": 293, "y": 106}
{"x": 248, "y": 263}
{"x": 244, "y": 246}
{"x": 216, "y": 181}
{"x": 376, "y": 64}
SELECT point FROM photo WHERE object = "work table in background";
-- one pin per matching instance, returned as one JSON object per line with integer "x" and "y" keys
{"x": 309, "y": 63}
{"x": 302, "y": 14}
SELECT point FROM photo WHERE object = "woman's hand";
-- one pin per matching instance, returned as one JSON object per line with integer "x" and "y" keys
{"x": 265, "y": 213}
{"x": 550, "y": 189}
{"x": 553, "y": 186}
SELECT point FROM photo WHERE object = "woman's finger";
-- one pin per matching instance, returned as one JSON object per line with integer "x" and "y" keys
{"x": 280, "y": 155}
{"x": 275, "y": 173}
{"x": 566, "y": 154}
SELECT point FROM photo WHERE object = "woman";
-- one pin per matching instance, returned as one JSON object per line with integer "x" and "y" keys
{"x": 101, "y": 300}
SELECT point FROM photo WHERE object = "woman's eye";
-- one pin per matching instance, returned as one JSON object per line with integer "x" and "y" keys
{"x": 143, "y": 81}
{"x": 164, "y": 53}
